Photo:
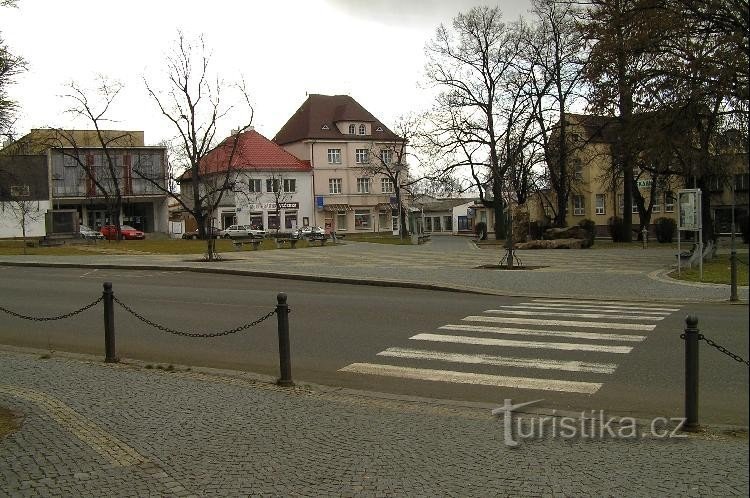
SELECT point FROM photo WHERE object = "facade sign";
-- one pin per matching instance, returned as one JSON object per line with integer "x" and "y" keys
{"x": 645, "y": 183}
{"x": 319, "y": 201}
{"x": 689, "y": 202}
{"x": 272, "y": 206}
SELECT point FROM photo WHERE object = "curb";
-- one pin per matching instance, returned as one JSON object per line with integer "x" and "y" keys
{"x": 353, "y": 281}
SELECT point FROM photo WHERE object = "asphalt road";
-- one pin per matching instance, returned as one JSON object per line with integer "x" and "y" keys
{"x": 336, "y": 326}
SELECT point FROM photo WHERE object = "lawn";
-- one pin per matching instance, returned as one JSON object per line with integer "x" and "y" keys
{"x": 716, "y": 271}
{"x": 163, "y": 246}
{"x": 378, "y": 238}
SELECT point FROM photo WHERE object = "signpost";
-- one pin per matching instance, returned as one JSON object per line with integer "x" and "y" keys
{"x": 690, "y": 219}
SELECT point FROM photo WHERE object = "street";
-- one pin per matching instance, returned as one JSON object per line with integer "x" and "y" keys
{"x": 625, "y": 357}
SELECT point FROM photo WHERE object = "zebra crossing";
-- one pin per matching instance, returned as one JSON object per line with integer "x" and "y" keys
{"x": 542, "y": 344}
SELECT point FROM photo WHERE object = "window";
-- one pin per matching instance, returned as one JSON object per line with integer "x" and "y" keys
{"x": 273, "y": 220}
{"x": 363, "y": 185}
{"x": 578, "y": 209}
{"x": 254, "y": 186}
{"x": 290, "y": 185}
{"x": 436, "y": 224}
{"x": 361, "y": 219}
{"x": 325, "y": 127}
{"x": 334, "y": 185}
{"x": 379, "y": 128}
{"x": 634, "y": 207}
{"x": 386, "y": 185}
{"x": 656, "y": 205}
{"x": 600, "y": 203}
{"x": 578, "y": 168}
{"x": 741, "y": 181}
{"x": 463, "y": 223}
{"x": 621, "y": 202}
{"x": 352, "y": 129}
{"x": 669, "y": 202}
{"x": 272, "y": 185}
{"x": 256, "y": 221}
{"x": 341, "y": 221}
{"x": 362, "y": 129}
{"x": 17, "y": 191}
{"x": 448, "y": 223}
{"x": 290, "y": 220}
{"x": 362, "y": 156}
{"x": 334, "y": 156}
{"x": 428, "y": 224}
{"x": 386, "y": 156}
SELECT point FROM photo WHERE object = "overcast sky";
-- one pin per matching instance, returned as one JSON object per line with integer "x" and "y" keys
{"x": 372, "y": 50}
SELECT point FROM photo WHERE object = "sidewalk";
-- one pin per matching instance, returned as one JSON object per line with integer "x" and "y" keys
{"x": 94, "y": 429}
{"x": 445, "y": 262}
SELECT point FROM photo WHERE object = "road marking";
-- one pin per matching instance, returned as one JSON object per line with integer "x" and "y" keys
{"x": 105, "y": 444}
{"x": 485, "y": 341}
{"x": 547, "y": 333}
{"x": 594, "y": 302}
{"x": 473, "y": 378}
{"x": 501, "y": 361}
{"x": 574, "y": 315}
{"x": 559, "y": 307}
{"x": 605, "y": 307}
{"x": 88, "y": 273}
{"x": 560, "y": 323}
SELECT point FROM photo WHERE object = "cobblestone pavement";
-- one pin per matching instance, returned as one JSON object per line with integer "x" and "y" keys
{"x": 451, "y": 262}
{"x": 93, "y": 429}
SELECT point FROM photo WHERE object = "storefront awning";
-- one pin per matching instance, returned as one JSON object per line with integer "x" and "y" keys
{"x": 337, "y": 207}
{"x": 383, "y": 206}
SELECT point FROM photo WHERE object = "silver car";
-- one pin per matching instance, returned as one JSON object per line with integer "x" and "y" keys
{"x": 86, "y": 232}
{"x": 241, "y": 231}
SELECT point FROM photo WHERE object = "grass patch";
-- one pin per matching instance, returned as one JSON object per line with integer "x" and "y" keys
{"x": 8, "y": 422}
{"x": 378, "y": 238}
{"x": 716, "y": 271}
{"x": 156, "y": 246}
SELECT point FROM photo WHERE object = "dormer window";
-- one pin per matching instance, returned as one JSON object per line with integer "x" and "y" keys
{"x": 361, "y": 129}
{"x": 379, "y": 128}
{"x": 325, "y": 127}
{"x": 352, "y": 129}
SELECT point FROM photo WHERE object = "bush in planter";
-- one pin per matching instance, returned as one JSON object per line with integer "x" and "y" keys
{"x": 615, "y": 226}
{"x": 665, "y": 230}
{"x": 590, "y": 227}
{"x": 480, "y": 229}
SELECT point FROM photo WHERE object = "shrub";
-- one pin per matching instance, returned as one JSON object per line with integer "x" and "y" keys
{"x": 744, "y": 223}
{"x": 480, "y": 229}
{"x": 590, "y": 227}
{"x": 615, "y": 226}
{"x": 665, "y": 230}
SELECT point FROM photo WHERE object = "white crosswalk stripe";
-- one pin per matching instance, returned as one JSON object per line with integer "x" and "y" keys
{"x": 501, "y": 361}
{"x": 542, "y": 320}
{"x": 574, "y": 315}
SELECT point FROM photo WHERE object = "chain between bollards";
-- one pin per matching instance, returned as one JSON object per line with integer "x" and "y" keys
{"x": 285, "y": 362}
{"x": 110, "y": 351}
{"x": 692, "y": 339}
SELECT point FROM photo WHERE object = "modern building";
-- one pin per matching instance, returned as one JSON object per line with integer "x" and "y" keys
{"x": 268, "y": 187}
{"x": 339, "y": 138}
{"x": 447, "y": 215}
{"x": 83, "y": 176}
{"x": 24, "y": 195}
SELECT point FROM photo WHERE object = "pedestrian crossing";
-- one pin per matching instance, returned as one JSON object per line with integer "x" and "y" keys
{"x": 541, "y": 344}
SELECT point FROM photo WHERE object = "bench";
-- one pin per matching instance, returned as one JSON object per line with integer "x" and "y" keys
{"x": 282, "y": 242}
{"x": 425, "y": 237}
{"x": 321, "y": 239}
{"x": 238, "y": 243}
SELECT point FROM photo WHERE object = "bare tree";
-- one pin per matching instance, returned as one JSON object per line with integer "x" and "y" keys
{"x": 106, "y": 178}
{"x": 193, "y": 104}
{"x": 469, "y": 63}
{"x": 11, "y": 65}
{"x": 390, "y": 161}
{"x": 24, "y": 211}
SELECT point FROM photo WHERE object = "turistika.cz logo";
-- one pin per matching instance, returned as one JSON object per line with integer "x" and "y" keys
{"x": 591, "y": 424}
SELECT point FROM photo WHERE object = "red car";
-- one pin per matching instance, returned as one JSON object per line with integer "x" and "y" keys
{"x": 128, "y": 232}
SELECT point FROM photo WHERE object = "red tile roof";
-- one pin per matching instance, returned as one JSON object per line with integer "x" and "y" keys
{"x": 321, "y": 111}
{"x": 253, "y": 152}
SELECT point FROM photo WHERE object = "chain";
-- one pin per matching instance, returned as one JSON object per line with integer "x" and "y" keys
{"x": 724, "y": 350}
{"x": 193, "y": 334}
{"x": 50, "y": 318}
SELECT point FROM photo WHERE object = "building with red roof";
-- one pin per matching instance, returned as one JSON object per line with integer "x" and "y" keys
{"x": 271, "y": 188}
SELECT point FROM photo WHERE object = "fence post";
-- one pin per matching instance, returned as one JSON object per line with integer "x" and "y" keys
{"x": 285, "y": 364}
{"x": 110, "y": 352}
{"x": 692, "y": 339}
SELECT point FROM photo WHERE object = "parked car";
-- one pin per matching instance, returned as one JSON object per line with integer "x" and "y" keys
{"x": 128, "y": 233}
{"x": 213, "y": 231}
{"x": 307, "y": 232}
{"x": 86, "y": 232}
{"x": 242, "y": 231}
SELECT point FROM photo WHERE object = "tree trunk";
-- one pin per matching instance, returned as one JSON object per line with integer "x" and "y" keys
{"x": 499, "y": 209}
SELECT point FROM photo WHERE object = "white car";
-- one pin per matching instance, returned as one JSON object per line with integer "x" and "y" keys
{"x": 86, "y": 232}
{"x": 242, "y": 231}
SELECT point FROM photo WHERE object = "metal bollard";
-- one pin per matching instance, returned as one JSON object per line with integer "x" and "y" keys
{"x": 285, "y": 363}
{"x": 733, "y": 297}
{"x": 110, "y": 352}
{"x": 692, "y": 337}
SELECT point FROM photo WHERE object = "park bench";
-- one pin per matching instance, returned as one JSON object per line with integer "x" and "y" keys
{"x": 317, "y": 238}
{"x": 282, "y": 242}
{"x": 425, "y": 237}
{"x": 239, "y": 242}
